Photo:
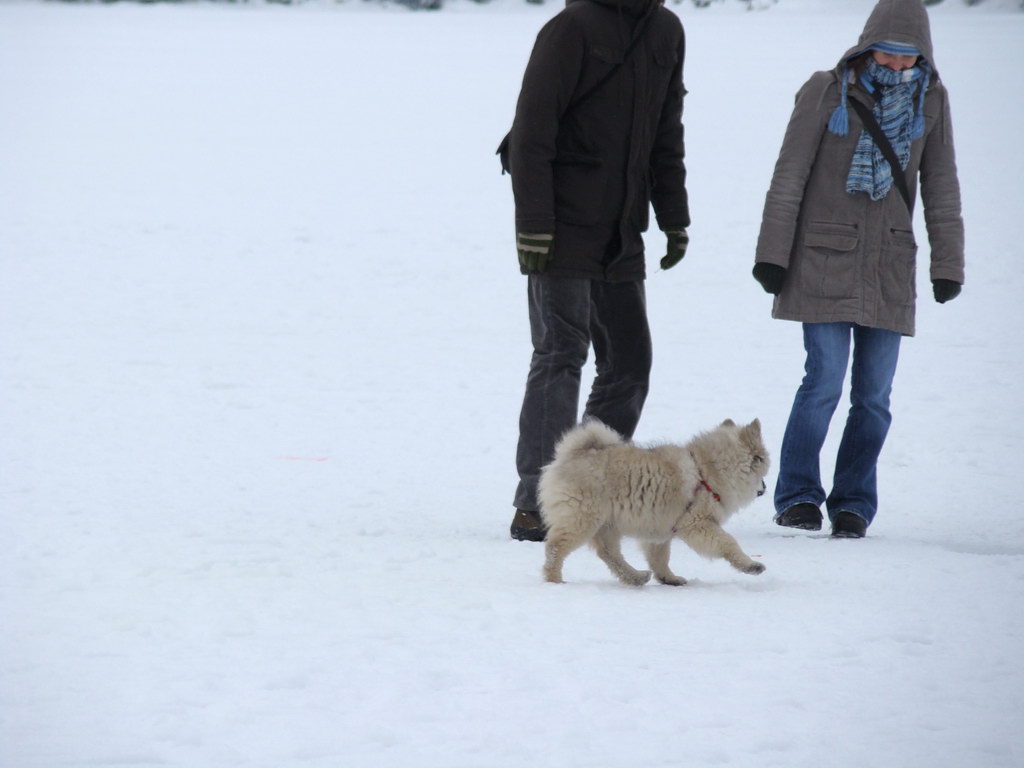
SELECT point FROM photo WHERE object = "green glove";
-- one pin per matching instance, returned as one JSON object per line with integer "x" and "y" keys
{"x": 535, "y": 251}
{"x": 677, "y": 242}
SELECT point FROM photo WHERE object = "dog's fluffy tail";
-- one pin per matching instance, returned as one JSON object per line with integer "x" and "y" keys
{"x": 591, "y": 435}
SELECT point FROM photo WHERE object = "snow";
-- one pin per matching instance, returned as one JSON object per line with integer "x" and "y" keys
{"x": 262, "y": 349}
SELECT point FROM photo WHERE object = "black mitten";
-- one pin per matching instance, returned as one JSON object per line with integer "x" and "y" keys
{"x": 770, "y": 276}
{"x": 945, "y": 290}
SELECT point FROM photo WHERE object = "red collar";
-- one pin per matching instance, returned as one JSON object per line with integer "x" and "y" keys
{"x": 709, "y": 489}
{"x": 704, "y": 483}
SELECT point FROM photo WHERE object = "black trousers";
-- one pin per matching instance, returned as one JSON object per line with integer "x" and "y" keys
{"x": 567, "y": 316}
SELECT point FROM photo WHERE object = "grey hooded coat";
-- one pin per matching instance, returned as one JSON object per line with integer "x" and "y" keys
{"x": 849, "y": 258}
{"x": 589, "y": 173}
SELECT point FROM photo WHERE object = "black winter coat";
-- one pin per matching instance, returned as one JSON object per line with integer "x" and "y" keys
{"x": 590, "y": 174}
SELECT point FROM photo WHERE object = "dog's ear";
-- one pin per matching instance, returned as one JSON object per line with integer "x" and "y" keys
{"x": 728, "y": 423}
{"x": 751, "y": 434}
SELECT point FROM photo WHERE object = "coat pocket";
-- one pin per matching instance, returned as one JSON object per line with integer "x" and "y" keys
{"x": 662, "y": 65}
{"x": 579, "y": 181}
{"x": 899, "y": 267}
{"x": 829, "y": 259}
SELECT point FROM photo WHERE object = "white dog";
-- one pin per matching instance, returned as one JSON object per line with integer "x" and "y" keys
{"x": 601, "y": 487}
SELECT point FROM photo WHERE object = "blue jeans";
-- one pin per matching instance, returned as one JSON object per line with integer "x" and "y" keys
{"x": 855, "y": 484}
{"x": 567, "y": 316}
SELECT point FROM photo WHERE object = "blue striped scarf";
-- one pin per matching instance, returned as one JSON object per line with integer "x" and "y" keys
{"x": 869, "y": 170}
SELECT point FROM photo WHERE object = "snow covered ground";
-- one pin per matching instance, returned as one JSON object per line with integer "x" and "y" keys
{"x": 262, "y": 347}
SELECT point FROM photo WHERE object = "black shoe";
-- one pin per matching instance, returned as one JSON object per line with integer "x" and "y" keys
{"x": 805, "y": 516}
{"x": 527, "y": 526}
{"x": 847, "y": 525}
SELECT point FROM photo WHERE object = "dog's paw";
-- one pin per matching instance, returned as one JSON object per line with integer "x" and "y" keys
{"x": 672, "y": 581}
{"x": 636, "y": 578}
{"x": 552, "y": 574}
{"x": 753, "y": 569}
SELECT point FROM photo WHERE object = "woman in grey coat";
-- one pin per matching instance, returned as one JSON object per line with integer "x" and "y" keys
{"x": 837, "y": 249}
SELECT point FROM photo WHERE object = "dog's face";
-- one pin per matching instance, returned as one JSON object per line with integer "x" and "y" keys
{"x": 754, "y": 465}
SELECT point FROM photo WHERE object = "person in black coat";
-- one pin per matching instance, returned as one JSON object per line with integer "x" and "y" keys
{"x": 597, "y": 139}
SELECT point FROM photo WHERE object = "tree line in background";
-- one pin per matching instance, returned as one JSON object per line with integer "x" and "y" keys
{"x": 433, "y": 5}
{"x": 965, "y": 2}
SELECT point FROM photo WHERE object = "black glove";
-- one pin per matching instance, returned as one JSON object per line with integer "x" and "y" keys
{"x": 676, "y": 247}
{"x": 945, "y": 290}
{"x": 770, "y": 276}
{"x": 535, "y": 251}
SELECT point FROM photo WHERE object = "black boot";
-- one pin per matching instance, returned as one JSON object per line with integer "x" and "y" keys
{"x": 847, "y": 525}
{"x": 527, "y": 526}
{"x": 805, "y": 516}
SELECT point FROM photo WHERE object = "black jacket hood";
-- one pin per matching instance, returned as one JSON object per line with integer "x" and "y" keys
{"x": 629, "y": 7}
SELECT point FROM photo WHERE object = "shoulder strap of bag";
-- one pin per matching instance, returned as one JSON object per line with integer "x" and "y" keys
{"x": 882, "y": 141}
